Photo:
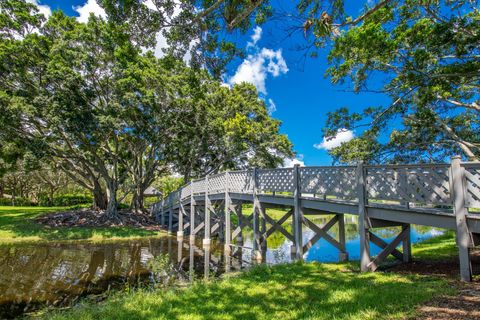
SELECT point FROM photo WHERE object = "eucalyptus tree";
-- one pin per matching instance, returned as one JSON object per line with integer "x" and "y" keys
{"x": 425, "y": 56}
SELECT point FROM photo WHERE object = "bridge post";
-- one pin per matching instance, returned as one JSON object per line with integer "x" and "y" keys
{"x": 297, "y": 214}
{"x": 227, "y": 229}
{"x": 343, "y": 256}
{"x": 162, "y": 214}
{"x": 363, "y": 224}
{"x": 256, "y": 254}
{"x": 170, "y": 216}
{"x": 463, "y": 237}
{"x": 192, "y": 214}
{"x": 407, "y": 243}
{"x": 239, "y": 212}
{"x": 181, "y": 212}
{"x": 207, "y": 228}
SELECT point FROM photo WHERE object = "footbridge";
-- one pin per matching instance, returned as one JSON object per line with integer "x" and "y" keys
{"x": 438, "y": 195}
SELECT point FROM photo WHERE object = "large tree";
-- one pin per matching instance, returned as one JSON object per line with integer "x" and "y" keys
{"x": 425, "y": 56}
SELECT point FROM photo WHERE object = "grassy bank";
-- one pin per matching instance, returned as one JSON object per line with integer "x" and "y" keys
{"x": 17, "y": 225}
{"x": 295, "y": 291}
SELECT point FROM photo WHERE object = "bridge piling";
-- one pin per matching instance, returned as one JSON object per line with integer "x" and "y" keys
{"x": 463, "y": 237}
{"x": 363, "y": 224}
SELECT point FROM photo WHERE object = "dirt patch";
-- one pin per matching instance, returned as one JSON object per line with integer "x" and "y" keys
{"x": 464, "y": 305}
{"x": 92, "y": 218}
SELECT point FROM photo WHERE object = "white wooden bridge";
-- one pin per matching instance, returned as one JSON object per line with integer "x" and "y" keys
{"x": 437, "y": 195}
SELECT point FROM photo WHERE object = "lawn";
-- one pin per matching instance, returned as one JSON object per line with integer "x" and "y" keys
{"x": 17, "y": 225}
{"x": 294, "y": 291}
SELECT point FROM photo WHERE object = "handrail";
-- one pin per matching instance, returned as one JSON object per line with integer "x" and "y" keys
{"x": 429, "y": 186}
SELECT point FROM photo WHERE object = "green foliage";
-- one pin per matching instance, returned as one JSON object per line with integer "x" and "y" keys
{"x": 17, "y": 201}
{"x": 424, "y": 56}
{"x": 65, "y": 200}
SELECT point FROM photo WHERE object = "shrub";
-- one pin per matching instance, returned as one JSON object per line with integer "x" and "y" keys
{"x": 19, "y": 201}
{"x": 65, "y": 200}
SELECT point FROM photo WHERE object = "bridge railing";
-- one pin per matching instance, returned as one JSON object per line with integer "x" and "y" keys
{"x": 417, "y": 185}
{"x": 472, "y": 184}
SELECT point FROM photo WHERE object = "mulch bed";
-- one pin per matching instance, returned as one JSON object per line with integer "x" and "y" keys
{"x": 92, "y": 218}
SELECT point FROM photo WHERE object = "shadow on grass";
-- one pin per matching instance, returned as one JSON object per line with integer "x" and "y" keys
{"x": 295, "y": 291}
{"x": 17, "y": 224}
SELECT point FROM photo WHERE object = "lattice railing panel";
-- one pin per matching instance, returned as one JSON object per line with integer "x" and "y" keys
{"x": 199, "y": 186}
{"x": 240, "y": 181}
{"x": 429, "y": 184}
{"x": 216, "y": 183}
{"x": 329, "y": 181}
{"x": 278, "y": 180}
{"x": 387, "y": 183}
{"x": 186, "y": 191}
{"x": 472, "y": 184}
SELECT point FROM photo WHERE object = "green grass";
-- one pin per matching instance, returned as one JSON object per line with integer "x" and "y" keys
{"x": 17, "y": 226}
{"x": 294, "y": 291}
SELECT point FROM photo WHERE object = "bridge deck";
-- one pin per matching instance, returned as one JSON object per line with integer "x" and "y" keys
{"x": 437, "y": 195}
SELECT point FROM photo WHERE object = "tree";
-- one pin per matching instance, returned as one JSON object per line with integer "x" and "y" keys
{"x": 224, "y": 128}
{"x": 425, "y": 56}
{"x": 193, "y": 29}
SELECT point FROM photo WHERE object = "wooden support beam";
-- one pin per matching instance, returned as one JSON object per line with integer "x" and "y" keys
{"x": 376, "y": 240}
{"x": 162, "y": 215}
{"x": 206, "y": 236}
{"x": 181, "y": 214}
{"x": 228, "y": 225}
{"x": 192, "y": 213}
{"x": 279, "y": 222}
{"x": 463, "y": 236}
{"x": 170, "y": 216}
{"x": 343, "y": 256}
{"x": 276, "y": 226}
{"x": 407, "y": 244}
{"x": 363, "y": 224}
{"x": 297, "y": 214}
{"x": 321, "y": 233}
{"x": 373, "y": 265}
{"x": 256, "y": 211}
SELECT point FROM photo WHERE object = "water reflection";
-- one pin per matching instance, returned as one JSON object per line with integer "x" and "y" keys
{"x": 32, "y": 276}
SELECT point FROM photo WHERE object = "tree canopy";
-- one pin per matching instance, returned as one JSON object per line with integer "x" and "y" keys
{"x": 425, "y": 56}
{"x": 113, "y": 117}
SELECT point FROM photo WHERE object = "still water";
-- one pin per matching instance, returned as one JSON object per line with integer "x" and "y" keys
{"x": 34, "y": 276}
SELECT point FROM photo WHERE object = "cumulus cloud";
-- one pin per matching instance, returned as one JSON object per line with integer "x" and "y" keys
{"x": 260, "y": 63}
{"x": 343, "y": 135}
{"x": 288, "y": 163}
{"x": 91, "y": 6}
{"x": 271, "y": 106}
{"x": 42, "y": 8}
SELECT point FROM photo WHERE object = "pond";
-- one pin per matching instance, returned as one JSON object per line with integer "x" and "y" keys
{"x": 39, "y": 275}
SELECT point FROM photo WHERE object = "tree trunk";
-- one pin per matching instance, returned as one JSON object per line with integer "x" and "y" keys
{"x": 112, "y": 213}
{"x": 137, "y": 200}
{"x": 99, "y": 197}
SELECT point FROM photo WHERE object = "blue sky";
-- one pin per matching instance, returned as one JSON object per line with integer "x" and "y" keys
{"x": 297, "y": 88}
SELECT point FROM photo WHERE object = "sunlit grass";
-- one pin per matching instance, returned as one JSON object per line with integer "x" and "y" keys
{"x": 17, "y": 225}
{"x": 295, "y": 291}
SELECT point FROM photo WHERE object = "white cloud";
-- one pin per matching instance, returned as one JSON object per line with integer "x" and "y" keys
{"x": 288, "y": 163}
{"x": 257, "y": 35}
{"x": 271, "y": 106}
{"x": 91, "y": 6}
{"x": 42, "y": 8}
{"x": 259, "y": 64}
{"x": 343, "y": 135}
